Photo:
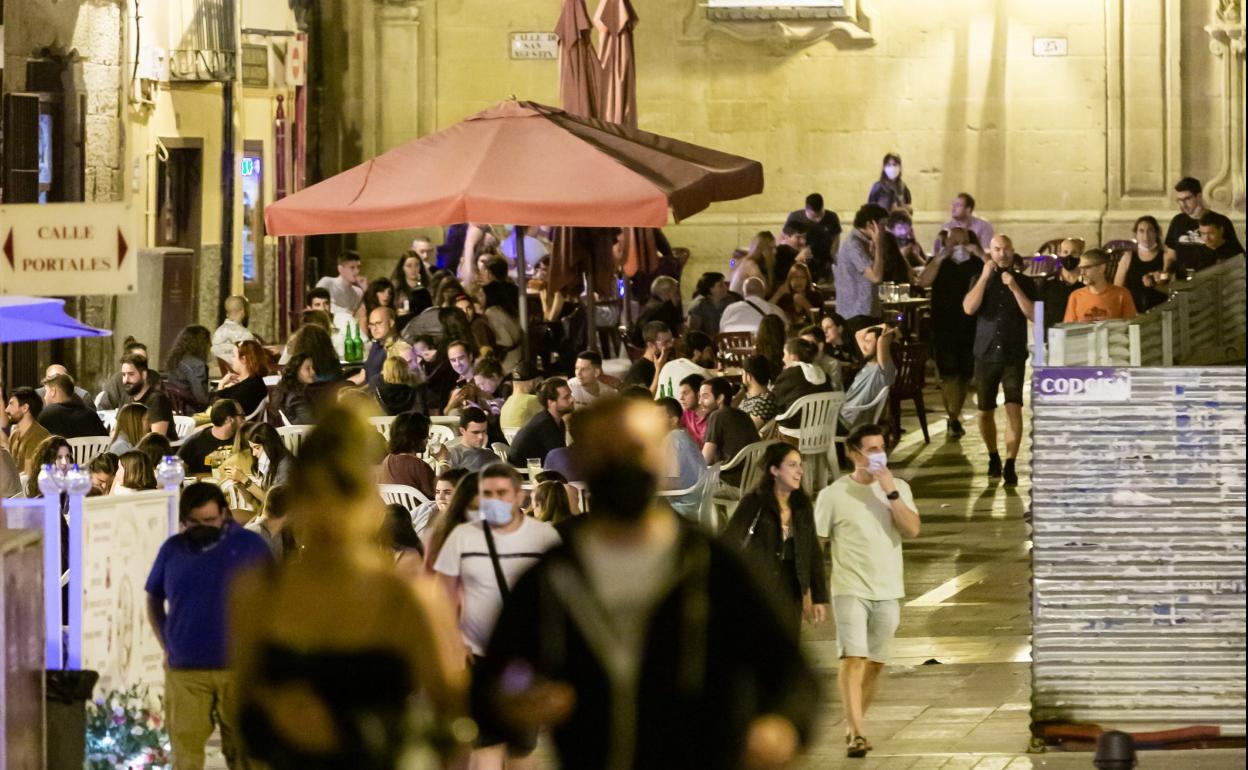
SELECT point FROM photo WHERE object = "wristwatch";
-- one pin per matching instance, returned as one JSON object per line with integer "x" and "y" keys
{"x": 894, "y": 495}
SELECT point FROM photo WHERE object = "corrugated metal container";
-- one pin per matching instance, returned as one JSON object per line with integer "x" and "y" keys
{"x": 1139, "y": 547}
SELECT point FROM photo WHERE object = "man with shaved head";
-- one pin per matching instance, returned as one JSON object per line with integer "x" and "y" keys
{"x": 51, "y": 372}
{"x": 1002, "y": 300}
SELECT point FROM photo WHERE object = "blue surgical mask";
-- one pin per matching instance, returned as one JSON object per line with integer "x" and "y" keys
{"x": 494, "y": 511}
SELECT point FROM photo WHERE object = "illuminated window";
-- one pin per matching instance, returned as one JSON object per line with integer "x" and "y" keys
{"x": 251, "y": 169}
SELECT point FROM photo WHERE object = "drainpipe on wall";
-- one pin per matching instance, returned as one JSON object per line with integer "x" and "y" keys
{"x": 227, "y": 195}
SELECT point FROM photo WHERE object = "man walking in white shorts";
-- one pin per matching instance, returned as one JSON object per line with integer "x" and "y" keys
{"x": 866, "y": 514}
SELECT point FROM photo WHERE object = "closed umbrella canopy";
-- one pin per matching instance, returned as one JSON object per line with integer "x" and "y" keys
{"x": 29, "y": 319}
{"x": 521, "y": 162}
{"x": 578, "y": 63}
{"x": 615, "y": 20}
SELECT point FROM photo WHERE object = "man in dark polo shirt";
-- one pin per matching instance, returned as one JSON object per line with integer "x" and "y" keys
{"x": 1213, "y": 231}
{"x": 1002, "y": 301}
{"x": 545, "y": 431}
{"x": 142, "y": 385}
{"x": 64, "y": 414}
{"x": 823, "y": 234}
{"x": 1183, "y": 238}
{"x": 728, "y": 429}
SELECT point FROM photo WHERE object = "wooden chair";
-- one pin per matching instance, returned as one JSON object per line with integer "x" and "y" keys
{"x": 734, "y": 348}
{"x": 1117, "y": 249}
{"x": 911, "y": 361}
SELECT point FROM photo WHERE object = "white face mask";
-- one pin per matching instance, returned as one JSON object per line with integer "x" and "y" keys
{"x": 877, "y": 461}
{"x": 892, "y": 171}
{"x": 960, "y": 254}
{"x": 262, "y": 464}
{"x": 495, "y": 511}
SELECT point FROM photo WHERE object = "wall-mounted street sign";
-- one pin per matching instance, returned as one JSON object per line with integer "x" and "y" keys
{"x": 67, "y": 249}
{"x": 534, "y": 45}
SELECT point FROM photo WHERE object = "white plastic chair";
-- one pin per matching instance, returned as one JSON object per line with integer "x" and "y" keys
{"x": 99, "y": 399}
{"x": 183, "y": 425}
{"x": 109, "y": 418}
{"x": 816, "y": 432}
{"x": 450, "y": 422}
{"x": 510, "y": 434}
{"x": 85, "y": 448}
{"x": 705, "y": 488}
{"x": 876, "y": 408}
{"x": 264, "y": 403}
{"x": 500, "y": 449}
{"x": 441, "y": 434}
{"x": 383, "y": 424}
{"x": 749, "y": 460}
{"x": 292, "y": 436}
{"x": 410, "y": 498}
{"x": 271, "y": 380}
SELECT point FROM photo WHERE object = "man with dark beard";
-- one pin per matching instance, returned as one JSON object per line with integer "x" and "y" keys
{"x": 640, "y": 643}
{"x": 142, "y": 385}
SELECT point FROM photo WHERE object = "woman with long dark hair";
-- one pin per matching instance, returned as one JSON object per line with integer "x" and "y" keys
{"x": 380, "y": 293}
{"x": 273, "y": 463}
{"x": 769, "y": 343}
{"x": 775, "y": 526}
{"x": 411, "y": 281}
{"x": 890, "y": 192}
{"x": 290, "y": 396}
{"x": 186, "y": 366}
{"x": 1147, "y": 267}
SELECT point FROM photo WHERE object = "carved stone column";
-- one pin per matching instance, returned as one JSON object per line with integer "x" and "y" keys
{"x": 1226, "y": 41}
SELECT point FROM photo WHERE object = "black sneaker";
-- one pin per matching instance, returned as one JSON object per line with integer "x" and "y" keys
{"x": 994, "y": 465}
{"x": 857, "y": 748}
{"x": 954, "y": 429}
{"x": 1008, "y": 474}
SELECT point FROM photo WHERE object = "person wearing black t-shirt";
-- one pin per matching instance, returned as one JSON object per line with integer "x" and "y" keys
{"x": 227, "y": 418}
{"x": 1213, "y": 231}
{"x": 1002, "y": 301}
{"x": 142, "y": 386}
{"x": 948, "y": 275}
{"x": 823, "y": 235}
{"x": 1183, "y": 239}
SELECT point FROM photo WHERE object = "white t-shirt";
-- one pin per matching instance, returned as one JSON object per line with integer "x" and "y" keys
{"x": 465, "y": 555}
{"x": 342, "y": 294}
{"x": 746, "y": 315}
{"x": 676, "y": 370}
{"x": 582, "y": 397}
{"x": 866, "y": 546}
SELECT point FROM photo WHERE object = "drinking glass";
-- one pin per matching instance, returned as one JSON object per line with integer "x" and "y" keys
{"x": 534, "y": 465}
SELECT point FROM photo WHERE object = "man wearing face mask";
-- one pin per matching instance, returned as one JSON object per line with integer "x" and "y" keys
{"x": 186, "y": 605}
{"x": 947, "y": 276}
{"x": 866, "y": 514}
{"x": 1055, "y": 290}
{"x": 480, "y": 561}
{"x": 1002, "y": 301}
{"x": 638, "y": 624}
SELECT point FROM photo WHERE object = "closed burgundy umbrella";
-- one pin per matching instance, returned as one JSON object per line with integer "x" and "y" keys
{"x": 521, "y": 162}
{"x": 579, "y": 72}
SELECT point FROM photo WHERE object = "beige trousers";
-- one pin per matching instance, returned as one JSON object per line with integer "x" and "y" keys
{"x": 195, "y": 702}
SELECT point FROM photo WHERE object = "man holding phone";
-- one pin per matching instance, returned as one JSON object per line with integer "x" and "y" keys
{"x": 1002, "y": 301}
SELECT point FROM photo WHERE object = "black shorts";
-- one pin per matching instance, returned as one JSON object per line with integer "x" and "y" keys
{"x": 1008, "y": 376}
{"x": 955, "y": 359}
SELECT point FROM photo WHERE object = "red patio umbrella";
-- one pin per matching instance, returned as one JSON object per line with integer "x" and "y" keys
{"x": 615, "y": 20}
{"x": 521, "y": 162}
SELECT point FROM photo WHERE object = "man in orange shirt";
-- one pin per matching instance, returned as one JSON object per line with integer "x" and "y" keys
{"x": 1098, "y": 300}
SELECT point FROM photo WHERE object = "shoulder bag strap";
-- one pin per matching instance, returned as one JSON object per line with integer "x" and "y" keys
{"x": 749, "y": 535}
{"x": 498, "y": 567}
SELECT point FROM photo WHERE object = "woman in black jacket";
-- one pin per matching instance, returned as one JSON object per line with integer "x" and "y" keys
{"x": 775, "y": 526}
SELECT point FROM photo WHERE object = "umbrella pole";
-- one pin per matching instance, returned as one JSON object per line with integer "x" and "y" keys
{"x": 591, "y": 315}
{"x": 524, "y": 293}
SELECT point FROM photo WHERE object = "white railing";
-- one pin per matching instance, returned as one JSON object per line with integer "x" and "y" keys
{"x": 1203, "y": 323}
